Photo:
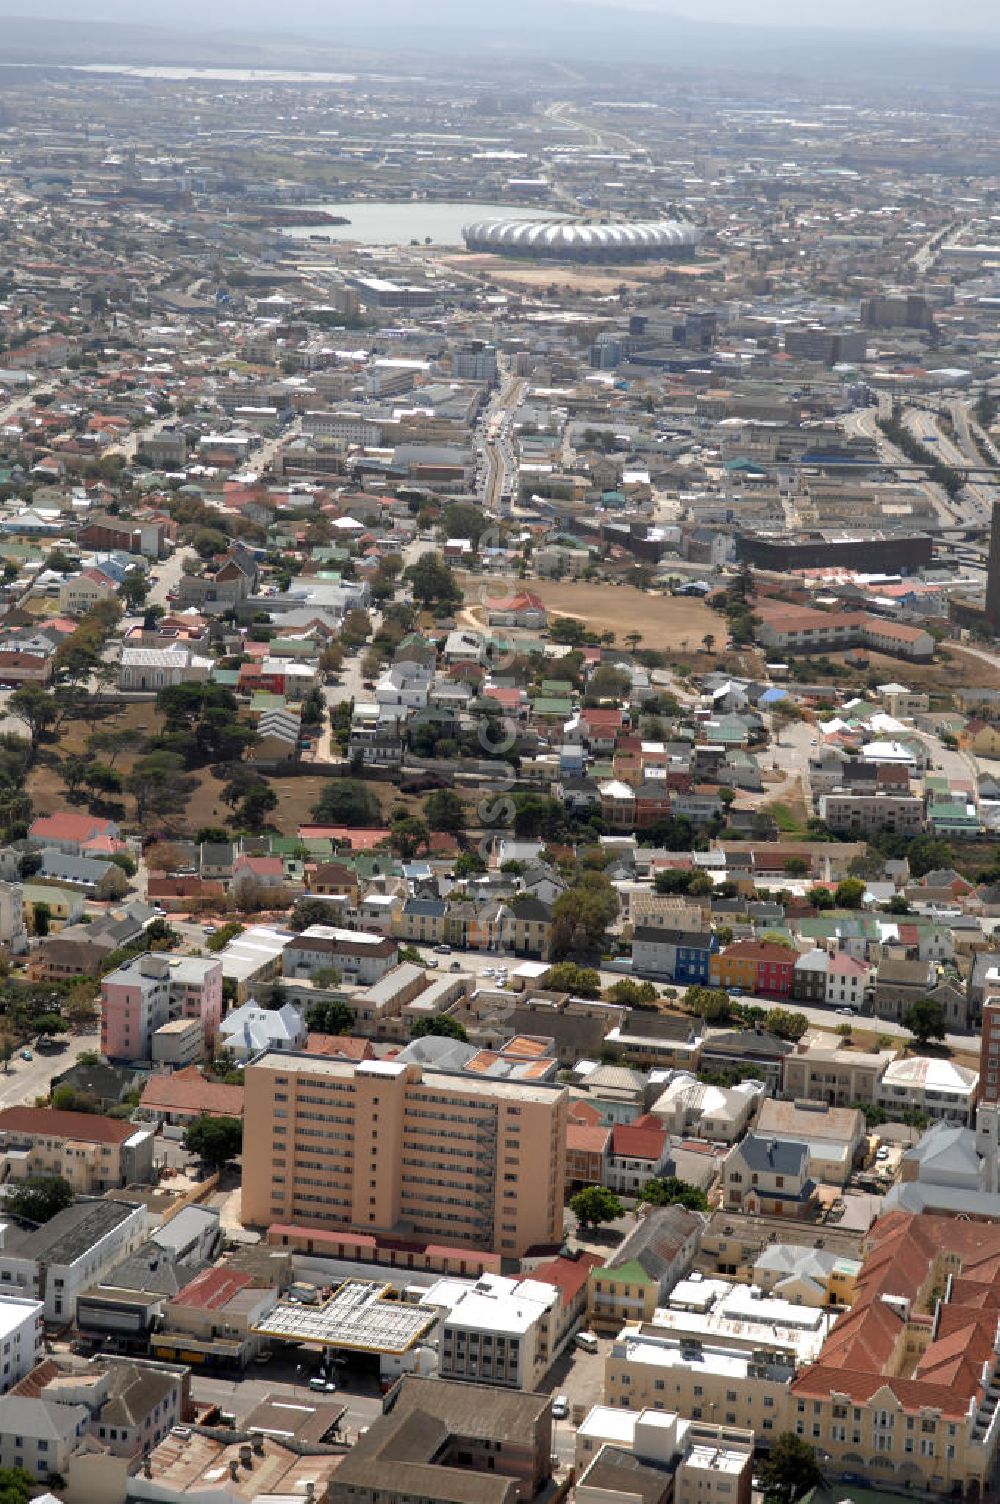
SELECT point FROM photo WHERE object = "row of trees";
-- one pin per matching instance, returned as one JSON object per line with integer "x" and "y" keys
{"x": 595, "y": 1205}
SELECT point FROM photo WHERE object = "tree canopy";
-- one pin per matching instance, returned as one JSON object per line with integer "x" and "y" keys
{"x": 348, "y": 801}
{"x": 39, "y": 1198}
{"x": 215, "y": 1140}
{"x": 442, "y": 1025}
{"x": 672, "y": 1191}
{"x": 594, "y": 1205}
{"x": 789, "y": 1470}
{"x": 925, "y": 1020}
{"x": 433, "y": 583}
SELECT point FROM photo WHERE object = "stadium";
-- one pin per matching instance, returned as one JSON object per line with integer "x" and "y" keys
{"x": 579, "y": 240}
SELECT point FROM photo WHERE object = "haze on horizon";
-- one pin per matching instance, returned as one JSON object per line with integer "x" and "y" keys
{"x": 909, "y": 19}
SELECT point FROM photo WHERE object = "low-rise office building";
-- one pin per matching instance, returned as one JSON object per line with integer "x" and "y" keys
{"x": 55, "y": 1262}
{"x": 91, "y": 1152}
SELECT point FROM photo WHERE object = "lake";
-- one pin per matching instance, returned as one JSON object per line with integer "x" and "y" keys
{"x": 411, "y": 219}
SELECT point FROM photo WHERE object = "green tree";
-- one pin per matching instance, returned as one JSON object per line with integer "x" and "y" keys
{"x": 41, "y": 916}
{"x": 39, "y": 1198}
{"x": 444, "y": 810}
{"x": 594, "y": 1205}
{"x": 16, "y": 1485}
{"x": 925, "y": 1020}
{"x": 158, "y": 785}
{"x": 821, "y": 898}
{"x": 308, "y": 911}
{"x": 256, "y": 801}
{"x": 789, "y": 1470}
{"x": 209, "y": 541}
{"x": 581, "y": 915}
{"x": 632, "y": 994}
{"x": 215, "y": 1140}
{"x": 442, "y": 1025}
{"x": 672, "y": 1191}
{"x": 134, "y": 588}
{"x": 347, "y": 801}
{"x": 35, "y": 708}
{"x": 784, "y": 1024}
{"x": 433, "y": 583}
{"x": 330, "y": 1018}
{"x": 850, "y": 893}
{"x": 713, "y": 1004}
{"x": 223, "y": 935}
{"x": 49, "y": 1024}
{"x": 468, "y": 863}
{"x": 272, "y": 996}
{"x": 566, "y": 976}
{"x": 407, "y": 836}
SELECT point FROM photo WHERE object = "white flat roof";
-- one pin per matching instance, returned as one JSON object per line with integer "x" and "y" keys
{"x": 15, "y": 1311}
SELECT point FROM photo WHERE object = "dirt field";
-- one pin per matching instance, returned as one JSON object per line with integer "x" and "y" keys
{"x": 297, "y": 796}
{"x": 538, "y": 276}
{"x": 665, "y": 621}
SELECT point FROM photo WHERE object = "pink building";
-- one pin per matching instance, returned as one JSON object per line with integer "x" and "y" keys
{"x": 152, "y": 990}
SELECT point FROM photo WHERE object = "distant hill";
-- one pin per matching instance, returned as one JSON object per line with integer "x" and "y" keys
{"x": 318, "y": 33}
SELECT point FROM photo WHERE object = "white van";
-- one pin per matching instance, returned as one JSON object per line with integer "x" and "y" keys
{"x": 587, "y": 1341}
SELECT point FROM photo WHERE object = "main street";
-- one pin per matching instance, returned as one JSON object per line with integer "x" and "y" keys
{"x": 478, "y": 963}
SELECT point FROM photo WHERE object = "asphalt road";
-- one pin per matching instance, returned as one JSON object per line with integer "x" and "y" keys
{"x": 167, "y": 573}
{"x": 24, "y": 1080}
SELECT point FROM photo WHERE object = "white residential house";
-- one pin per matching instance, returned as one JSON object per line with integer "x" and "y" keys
{"x": 925, "y": 1084}
{"x": 404, "y": 686}
{"x": 847, "y": 981}
{"x": 248, "y": 1030}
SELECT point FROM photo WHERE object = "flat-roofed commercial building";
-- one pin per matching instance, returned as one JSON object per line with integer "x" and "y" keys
{"x": 398, "y": 1149}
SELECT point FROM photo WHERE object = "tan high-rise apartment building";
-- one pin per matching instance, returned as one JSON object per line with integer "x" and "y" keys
{"x": 399, "y": 1149}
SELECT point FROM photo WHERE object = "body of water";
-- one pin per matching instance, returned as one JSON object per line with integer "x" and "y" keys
{"x": 398, "y": 224}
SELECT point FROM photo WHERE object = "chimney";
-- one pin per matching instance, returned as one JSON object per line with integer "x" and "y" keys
{"x": 234, "y": 1470}
{"x": 258, "y": 1445}
{"x": 147, "y": 1466}
{"x": 310, "y": 1489}
{"x": 246, "y": 1455}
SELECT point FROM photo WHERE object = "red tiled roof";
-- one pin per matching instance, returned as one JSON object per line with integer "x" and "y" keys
{"x": 341, "y": 1046}
{"x": 188, "y": 1091}
{"x": 584, "y": 1112}
{"x": 88, "y": 1127}
{"x": 359, "y": 838}
{"x": 761, "y": 950}
{"x": 568, "y": 1275}
{"x": 902, "y": 1256}
{"x": 632, "y": 1142}
{"x": 69, "y": 827}
{"x": 584, "y": 1138}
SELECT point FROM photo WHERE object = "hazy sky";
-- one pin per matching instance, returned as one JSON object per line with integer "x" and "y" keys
{"x": 905, "y": 18}
{"x": 931, "y": 15}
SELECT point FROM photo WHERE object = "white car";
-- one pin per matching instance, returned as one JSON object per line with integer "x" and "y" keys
{"x": 560, "y": 1407}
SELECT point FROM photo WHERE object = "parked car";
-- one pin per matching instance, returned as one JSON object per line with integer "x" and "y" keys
{"x": 560, "y": 1407}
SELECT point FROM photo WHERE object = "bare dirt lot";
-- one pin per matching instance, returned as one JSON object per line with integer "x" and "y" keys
{"x": 667, "y": 622}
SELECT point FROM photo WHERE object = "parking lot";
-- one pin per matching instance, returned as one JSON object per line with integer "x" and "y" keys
{"x": 576, "y": 1374}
